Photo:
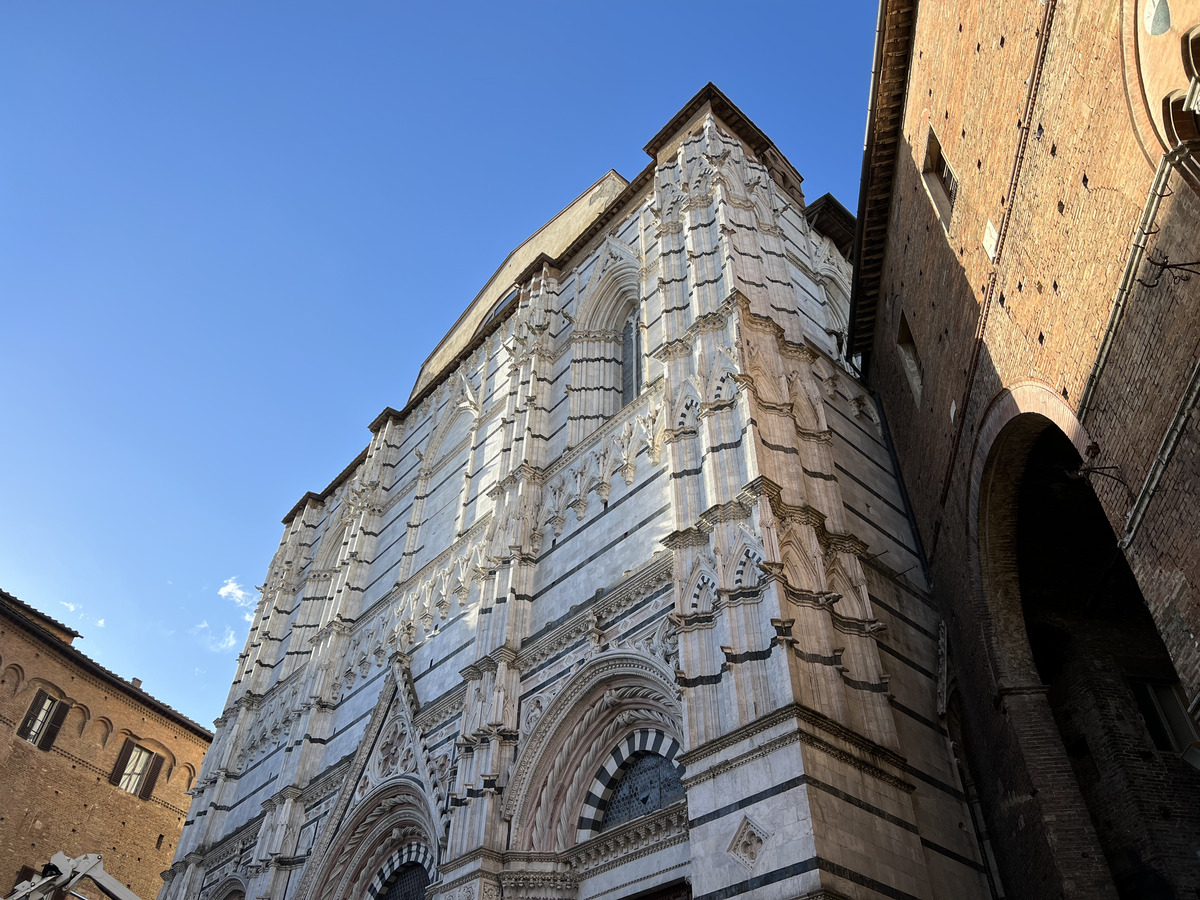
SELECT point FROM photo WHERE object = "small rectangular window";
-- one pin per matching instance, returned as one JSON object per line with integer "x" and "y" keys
{"x": 940, "y": 180}
{"x": 631, "y": 360}
{"x": 135, "y": 770}
{"x": 909, "y": 358}
{"x": 1166, "y": 718}
{"x": 43, "y": 721}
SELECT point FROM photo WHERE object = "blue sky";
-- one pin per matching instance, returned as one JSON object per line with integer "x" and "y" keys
{"x": 230, "y": 233}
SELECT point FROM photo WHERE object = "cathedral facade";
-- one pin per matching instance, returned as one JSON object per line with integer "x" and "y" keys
{"x": 626, "y": 601}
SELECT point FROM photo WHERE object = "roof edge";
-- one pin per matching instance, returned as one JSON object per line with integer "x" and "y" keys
{"x": 39, "y": 616}
{"x": 611, "y": 173}
{"x": 17, "y": 612}
{"x": 889, "y": 85}
{"x": 331, "y": 487}
{"x": 828, "y": 216}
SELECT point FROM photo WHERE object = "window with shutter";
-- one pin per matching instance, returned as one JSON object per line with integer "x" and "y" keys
{"x": 137, "y": 770}
{"x": 118, "y": 771}
{"x": 43, "y": 721}
{"x": 46, "y": 741}
{"x": 940, "y": 180}
{"x": 151, "y": 776}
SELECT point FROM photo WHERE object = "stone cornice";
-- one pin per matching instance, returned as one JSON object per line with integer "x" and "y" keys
{"x": 441, "y": 709}
{"x": 632, "y": 840}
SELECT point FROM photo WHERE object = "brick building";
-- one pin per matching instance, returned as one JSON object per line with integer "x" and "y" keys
{"x": 89, "y": 762}
{"x": 1028, "y": 224}
{"x": 623, "y": 602}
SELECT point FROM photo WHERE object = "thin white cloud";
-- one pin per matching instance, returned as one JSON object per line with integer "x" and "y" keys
{"x": 231, "y": 590}
{"x": 99, "y": 623}
{"x": 71, "y": 607}
{"x": 223, "y": 638}
{"x": 212, "y": 641}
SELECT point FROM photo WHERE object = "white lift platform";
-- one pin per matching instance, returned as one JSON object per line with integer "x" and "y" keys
{"x": 63, "y": 874}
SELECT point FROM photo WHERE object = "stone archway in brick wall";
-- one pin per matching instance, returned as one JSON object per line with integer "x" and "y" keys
{"x": 1013, "y": 420}
{"x": 1088, "y": 725}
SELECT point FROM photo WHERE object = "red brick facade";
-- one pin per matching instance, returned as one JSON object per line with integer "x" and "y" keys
{"x": 57, "y": 786}
{"x": 1041, "y": 303}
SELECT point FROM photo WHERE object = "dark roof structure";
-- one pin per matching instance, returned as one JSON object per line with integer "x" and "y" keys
{"x": 889, "y": 80}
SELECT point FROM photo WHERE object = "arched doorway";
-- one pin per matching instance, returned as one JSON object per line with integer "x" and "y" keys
{"x": 1088, "y": 677}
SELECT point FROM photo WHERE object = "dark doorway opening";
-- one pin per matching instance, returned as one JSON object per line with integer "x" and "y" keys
{"x": 1113, "y": 690}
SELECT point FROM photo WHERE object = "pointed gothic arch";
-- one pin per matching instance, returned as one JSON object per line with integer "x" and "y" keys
{"x": 391, "y": 823}
{"x": 700, "y": 590}
{"x": 853, "y": 604}
{"x": 457, "y": 421}
{"x": 616, "y": 694}
{"x": 615, "y": 285}
{"x": 722, "y": 378}
{"x": 744, "y": 558}
{"x": 606, "y": 346}
{"x": 799, "y": 567}
{"x": 329, "y": 551}
{"x": 686, "y": 407}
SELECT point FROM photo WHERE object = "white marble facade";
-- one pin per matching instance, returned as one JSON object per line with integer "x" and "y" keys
{"x": 536, "y": 578}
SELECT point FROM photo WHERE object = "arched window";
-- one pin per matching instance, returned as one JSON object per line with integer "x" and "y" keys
{"x": 650, "y": 782}
{"x": 631, "y": 360}
{"x": 606, "y": 351}
{"x": 407, "y": 883}
{"x": 404, "y": 875}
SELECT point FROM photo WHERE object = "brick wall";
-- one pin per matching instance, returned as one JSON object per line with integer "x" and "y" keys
{"x": 60, "y": 799}
{"x": 1028, "y": 102}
